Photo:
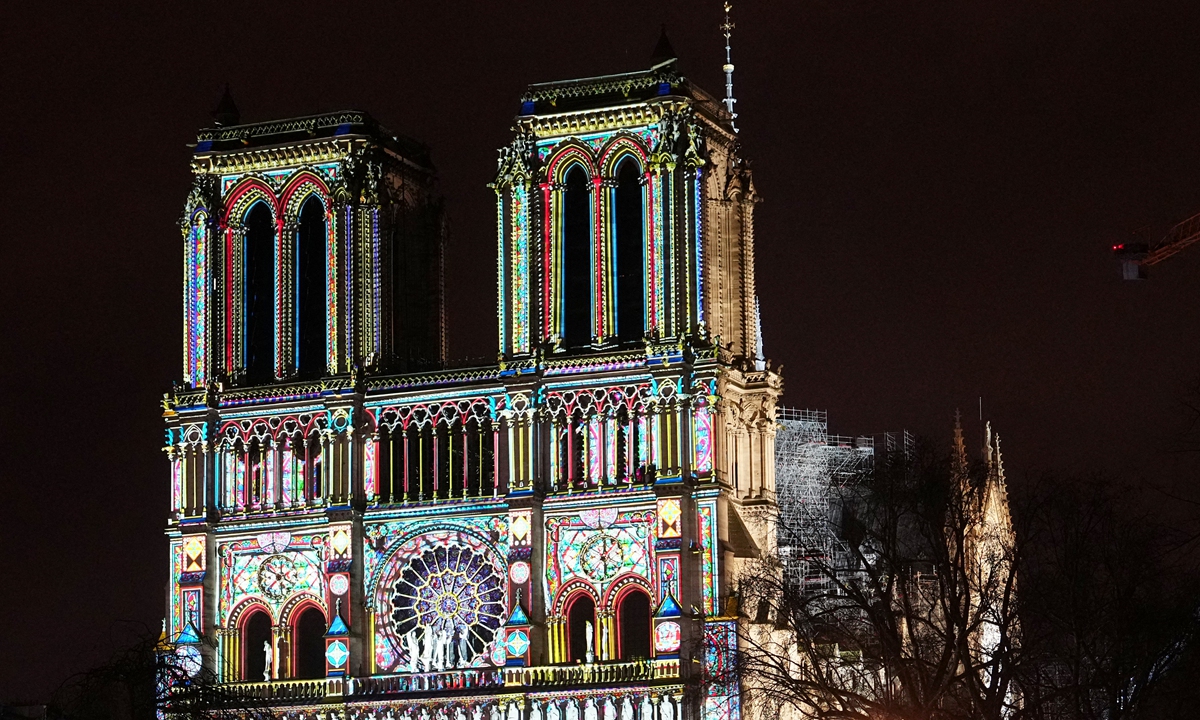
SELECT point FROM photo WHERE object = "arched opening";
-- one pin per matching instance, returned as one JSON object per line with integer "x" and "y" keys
{"x": 633, "y": 625}
{"x": 310, "y": 290}
{"x": 630, "y": 264}
{"x": 577, "y": 259}
{"x": 258, "y": 296}
{"x": 308, "y": 637}
{"x": 580, "y": 612}
{"x": 256, "y": 633}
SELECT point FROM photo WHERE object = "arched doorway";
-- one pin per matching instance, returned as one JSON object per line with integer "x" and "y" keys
{"x": 308, "y": 638}
{"x": 633, "y": 625}
{"x": 580, "y": 612}
{"x": 256, "y": 632}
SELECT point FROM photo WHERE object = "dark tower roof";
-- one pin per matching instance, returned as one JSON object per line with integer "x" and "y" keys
{"x": 662, "y": 49}
{"x": 226, "y": 113}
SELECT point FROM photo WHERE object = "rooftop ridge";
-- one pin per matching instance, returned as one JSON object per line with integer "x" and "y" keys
{"x": 271, "y": 127}
{"x": 600, "y": 84}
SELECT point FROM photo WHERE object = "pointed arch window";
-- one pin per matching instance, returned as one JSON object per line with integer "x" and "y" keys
{"x": 633, "y": 625}
{"x": 629, "y": 226}
{"x": 580, "y": 613}
{"x": 256, "y": 633}
{"x": 258, "y": 294}
{"x": 310, "y": 290}
{"x": 577, "y": 259}
{"x": 309, "y": 641}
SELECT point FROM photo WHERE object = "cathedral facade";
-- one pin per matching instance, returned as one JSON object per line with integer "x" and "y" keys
{"x": 356, "y": 529}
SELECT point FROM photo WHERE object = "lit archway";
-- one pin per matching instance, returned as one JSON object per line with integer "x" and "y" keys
{"x": 308, "y": 640}
{"x": 577, "y": 258}
{"x": 311, "y": 256}
{"x": 580, "y": 612}
{"x": 258, "y": 294}
{"x": 256, "y": 633}
{"x": 629, "y": 215}
{"x": 633, "y": 625}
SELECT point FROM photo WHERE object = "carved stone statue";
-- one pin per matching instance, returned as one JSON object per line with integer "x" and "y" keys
{"x": 626, "y": 709}
{"x": 535, "y": 712}
{"x": 427, "y": 648}
{"x": 447, "y": 647}
{"x": 573, "y": 708}
{"x": 439, "y": 650}
{"x": 268, "y": 656}
{"x": 414, "y": 650}
{"x": 589, "y": 634}
{"x": 464, "y": 646}
{"x": 647, "y": 712}
{"x": 552, "y": 711}
{"x": 590, "y": 711}
{"x": 666, "y": 708}
{"x": 604, "y": 655}
{"x": 610, "y": 710}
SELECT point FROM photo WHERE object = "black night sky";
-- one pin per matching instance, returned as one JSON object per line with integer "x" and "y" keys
{"x": 941, "y": 183}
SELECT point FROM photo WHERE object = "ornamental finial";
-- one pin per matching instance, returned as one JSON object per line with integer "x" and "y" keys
{"x": 727, "y": 28}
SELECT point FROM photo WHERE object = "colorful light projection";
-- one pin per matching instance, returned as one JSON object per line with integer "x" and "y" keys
{"x": 666, "y": 637}
{"x": 707, "y": 513}
{"x": 197, "y": 288}
{"x": 669, "y": 516}
{"x": 520, "y": 269}
{"x": 176, "y": 482}
{"x": 176, "y": 609}
{"x": 702, "y": 460}
{"x": 433, "y": 587}
{"x": 600, "y": 153}
{"x": 275, "y": 568}
{"x": 193, "y": 554}
{"x": 668, "y": 576}
{"x": 597, "y": 546}
{"x": 722, "y": 699}
{"x": 370, "y": 467}
{"x": 698, "y": 210}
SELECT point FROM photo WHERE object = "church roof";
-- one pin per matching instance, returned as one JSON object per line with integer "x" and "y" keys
{"x": 344, "y": 123}
{"x": 662, "y": 79}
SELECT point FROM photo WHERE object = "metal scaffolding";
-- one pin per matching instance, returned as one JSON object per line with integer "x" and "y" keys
{"x": 811, "y": 467}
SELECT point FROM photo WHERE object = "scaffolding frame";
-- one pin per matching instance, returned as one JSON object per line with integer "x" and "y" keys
{"x": 812, "y": 467}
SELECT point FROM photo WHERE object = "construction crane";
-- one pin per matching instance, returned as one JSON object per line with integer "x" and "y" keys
{"x": 1135, "y": 257}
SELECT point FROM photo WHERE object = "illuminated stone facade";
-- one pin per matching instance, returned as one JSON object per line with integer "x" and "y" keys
{"x": 355, "y": 528}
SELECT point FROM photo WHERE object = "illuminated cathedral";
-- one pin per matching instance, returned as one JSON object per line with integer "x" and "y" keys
{"x": 358, "y": 528}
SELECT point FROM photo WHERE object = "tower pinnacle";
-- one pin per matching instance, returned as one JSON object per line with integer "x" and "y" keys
{"x": 727, "y": 28}
{"x": 226, "y": 113}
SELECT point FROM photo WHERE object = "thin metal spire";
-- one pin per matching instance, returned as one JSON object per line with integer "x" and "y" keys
{"x": 727, "y": 27}
{"x": 760, "y": 362}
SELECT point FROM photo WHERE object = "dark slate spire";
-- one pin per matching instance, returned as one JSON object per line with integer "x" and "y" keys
{"x": 662, "y": 50}
{"x": 226, "y": 112}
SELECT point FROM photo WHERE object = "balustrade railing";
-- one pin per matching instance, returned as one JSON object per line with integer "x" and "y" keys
{"x": 468, "y": 679}
{"x": 276, "y": 690}
{"x": 425, "y": 682}
{"x": 592, "y": 673}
